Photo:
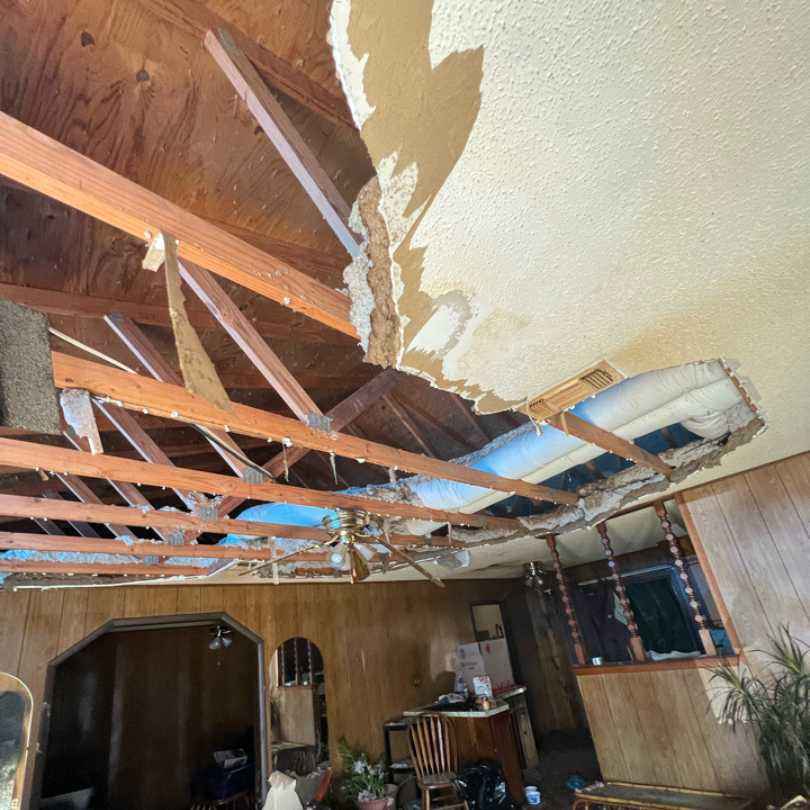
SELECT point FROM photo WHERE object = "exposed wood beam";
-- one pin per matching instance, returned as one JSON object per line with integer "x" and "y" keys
{"x": 57, "y": 302}
{"x": 130, "y": 493}
{"x": 280, "y": 130}
{"x": 461, "y": 406}
{"x": 571, "y": 424}
{"x": 86, "y": 495}
{"x": 408, "y": 423}
{"x": 341, "y": 416}
{"x": 191, "y": 450}
{"x": 73, "y": 462}
{"x": 47, "y": 526}
{"x": 137, "y": 342}
{"x": 196, "y": 18}
{"x": 325, "y": 266}
{"x": 28, "y": 507}
{"x": 431, "y": 420}
{"x": 65, "y": 543}
{"x": 78, "y": 545}
{"x": 248, "y": 339}
{"x": 83, "y": 528}
{"x": 42, "y": 163}
{"x": 137, "y": 392}
{"x": 111, "y": 570}
{"x": 143, "y": 443}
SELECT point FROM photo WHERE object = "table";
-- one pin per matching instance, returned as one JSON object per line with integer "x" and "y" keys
{"x": 485, "y": 735}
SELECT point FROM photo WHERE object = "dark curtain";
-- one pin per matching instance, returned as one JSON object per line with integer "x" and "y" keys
{"x": 660, "y": 616}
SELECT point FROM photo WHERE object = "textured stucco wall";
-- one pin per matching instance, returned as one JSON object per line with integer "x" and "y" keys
{"x": 567, "y": 182}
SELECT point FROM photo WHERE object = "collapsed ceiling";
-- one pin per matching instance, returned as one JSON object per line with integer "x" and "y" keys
{"x": 560, "y": 185}
{"x": 532, "y": 210}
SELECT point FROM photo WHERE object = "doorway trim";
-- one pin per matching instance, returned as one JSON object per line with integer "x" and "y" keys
{"x": 146, "y": 623}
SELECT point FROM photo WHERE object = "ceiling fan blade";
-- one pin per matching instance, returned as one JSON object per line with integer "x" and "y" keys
{"x": 269, "y": 563}
{"x": 359, "y": 567}
{"x": 408, "y": 559}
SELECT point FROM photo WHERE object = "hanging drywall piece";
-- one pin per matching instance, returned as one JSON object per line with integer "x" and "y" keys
{"x": 199, "y": 373}
{"x": 27, "y": 393}
{"x": 77, "y": 408}
{"x": 155, "y": 254}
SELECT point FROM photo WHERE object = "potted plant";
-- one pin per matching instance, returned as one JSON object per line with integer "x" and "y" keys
{"x": 777, "y": 705}
{"x": 363, "y": 780}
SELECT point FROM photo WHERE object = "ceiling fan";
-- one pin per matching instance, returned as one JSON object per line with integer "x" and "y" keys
{"x": 348, "y": 529}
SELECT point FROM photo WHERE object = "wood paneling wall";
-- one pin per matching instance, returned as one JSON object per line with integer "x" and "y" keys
{"x": 386, "y": 647}
{"x": 752, "y": 535}
{"x": 657, "y": 727}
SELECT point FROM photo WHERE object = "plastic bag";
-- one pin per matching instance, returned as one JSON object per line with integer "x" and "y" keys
{"x": 484, "y": 787}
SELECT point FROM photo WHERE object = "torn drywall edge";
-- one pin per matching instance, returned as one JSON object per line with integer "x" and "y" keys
{"x": 349, "y": 67}
{"x": 97, "y": 559}
{"x": 633, "y": 408}
{"x": 602, "y": 499}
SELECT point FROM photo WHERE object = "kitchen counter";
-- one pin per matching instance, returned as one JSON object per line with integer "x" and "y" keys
{"x": 472, "y": 713}
{"x": 486, "y": 735}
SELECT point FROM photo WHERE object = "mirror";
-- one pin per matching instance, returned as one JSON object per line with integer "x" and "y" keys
{"x": 16, "y": 708}
{"x": 298, "y": 707}
{"x": 488, "y": 621}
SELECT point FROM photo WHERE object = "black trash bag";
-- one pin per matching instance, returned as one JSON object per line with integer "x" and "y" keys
{"x": 484, "y": 787}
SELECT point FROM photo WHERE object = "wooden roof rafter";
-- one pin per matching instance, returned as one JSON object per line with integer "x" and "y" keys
{"x": 26, "y": 507}
{"x": 58, "y": 302}
{"x": 34, "y": 456}
{"x": 245, "y": 335}
{"x": 69, "y": 569}
{"x": 146, "y": 354}
{"x": 139, "y": 393}
{"x": 197, "y": 18}
{"x": 63, "y": 544}
{"x": 279, "y": 129}
{"x": 341, "y": 417}
{"x": 32, "y": 158}
{"x": 573, "y": 425}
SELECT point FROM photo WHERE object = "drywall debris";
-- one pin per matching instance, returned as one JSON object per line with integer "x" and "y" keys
{"x": 604, "y": 498}
{"x": 27, "y": 393}
{"x": 199, "y": 373}
{"x": 370, "y": 283}
{"x": 77, "y": 408}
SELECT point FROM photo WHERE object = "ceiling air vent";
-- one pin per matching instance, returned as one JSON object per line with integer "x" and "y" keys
{"x": 565, "y": 395}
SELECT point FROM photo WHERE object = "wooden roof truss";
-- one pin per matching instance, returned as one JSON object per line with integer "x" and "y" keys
{"x": 207, "y": 251}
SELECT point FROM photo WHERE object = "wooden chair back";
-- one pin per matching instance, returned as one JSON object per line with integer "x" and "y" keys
{"x": 433, "y": 745}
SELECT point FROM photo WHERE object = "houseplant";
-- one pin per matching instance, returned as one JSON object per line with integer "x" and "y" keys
{"x": 777, "y": 705}
{"x": 363, "y": 780}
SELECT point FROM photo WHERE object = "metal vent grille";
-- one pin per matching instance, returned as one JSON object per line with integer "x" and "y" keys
{"x": 597, "y": 378}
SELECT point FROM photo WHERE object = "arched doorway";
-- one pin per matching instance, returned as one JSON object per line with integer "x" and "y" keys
{"x": 140, "y": 710}
{"x": 16, "y": 708}
{"x": 298, "y": 706}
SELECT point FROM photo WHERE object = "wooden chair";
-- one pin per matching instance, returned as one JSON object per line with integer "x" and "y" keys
{"x": 435, "y": 759}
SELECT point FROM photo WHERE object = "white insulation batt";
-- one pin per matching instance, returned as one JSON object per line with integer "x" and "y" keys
{"x": 700, "y": 396}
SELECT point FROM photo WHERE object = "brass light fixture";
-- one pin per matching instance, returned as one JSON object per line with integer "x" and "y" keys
{"x": 347, "y": 528}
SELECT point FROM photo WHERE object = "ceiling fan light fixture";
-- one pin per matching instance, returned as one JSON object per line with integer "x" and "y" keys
{"x": 337, "y": 558}
{"x": 220, "y": 638}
